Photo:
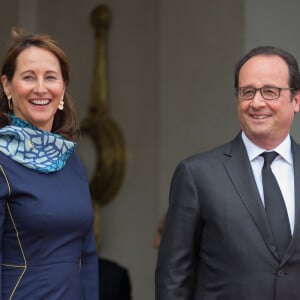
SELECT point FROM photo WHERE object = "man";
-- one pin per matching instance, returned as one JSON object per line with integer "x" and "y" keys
{"x": 219, "y": 242}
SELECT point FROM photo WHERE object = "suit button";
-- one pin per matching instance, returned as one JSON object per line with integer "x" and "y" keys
{"x": 280, "y": 273}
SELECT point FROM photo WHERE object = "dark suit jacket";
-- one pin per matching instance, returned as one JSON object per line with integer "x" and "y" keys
{"x": 114, "y": 281}
{"x": 217, "y": 243}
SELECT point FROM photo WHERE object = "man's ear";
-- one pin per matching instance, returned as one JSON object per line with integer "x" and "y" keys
{"x": 296, "y": 100}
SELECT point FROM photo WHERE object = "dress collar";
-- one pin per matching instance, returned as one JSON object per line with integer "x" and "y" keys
{"x": 36, "y": 149}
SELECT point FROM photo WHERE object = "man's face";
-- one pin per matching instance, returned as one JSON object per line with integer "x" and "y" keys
{"x": 267, "y": 123}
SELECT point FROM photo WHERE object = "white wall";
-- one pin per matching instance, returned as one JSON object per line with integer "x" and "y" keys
{"x": 274, "y": 22}
{"x": 199, "y": 46}
{"x": 128, "y": 223}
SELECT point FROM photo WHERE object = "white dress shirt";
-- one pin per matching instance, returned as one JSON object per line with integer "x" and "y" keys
{"x": 283, "y": 170}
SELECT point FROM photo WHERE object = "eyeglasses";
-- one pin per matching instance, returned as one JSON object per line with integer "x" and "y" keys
{"x": 268, "y": 93}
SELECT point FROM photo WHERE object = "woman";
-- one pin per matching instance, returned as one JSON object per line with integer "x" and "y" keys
{"x": 47, "y": 247}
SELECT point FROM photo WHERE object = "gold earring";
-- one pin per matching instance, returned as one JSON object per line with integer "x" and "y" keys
{"x": 9, "y": 102}
{"x": 61, "y": 104}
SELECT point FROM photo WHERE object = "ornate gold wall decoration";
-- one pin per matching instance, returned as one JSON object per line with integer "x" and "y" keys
{"x": 99, "y": 126}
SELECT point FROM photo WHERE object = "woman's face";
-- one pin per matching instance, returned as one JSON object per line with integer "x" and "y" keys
{"x": 36, "y": 87}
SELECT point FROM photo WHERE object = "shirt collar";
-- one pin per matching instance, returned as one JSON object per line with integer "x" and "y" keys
{"x": 283, "y": 149}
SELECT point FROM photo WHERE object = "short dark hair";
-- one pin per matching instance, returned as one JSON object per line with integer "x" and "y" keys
{"x": 294, "y": 76}
{"x": 65, "y": 121}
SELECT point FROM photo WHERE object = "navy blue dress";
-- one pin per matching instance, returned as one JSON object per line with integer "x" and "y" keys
{"x": 47, "y": 246}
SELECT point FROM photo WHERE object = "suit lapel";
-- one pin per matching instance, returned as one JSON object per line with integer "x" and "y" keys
{"x": 295, "y": 237}
{"x": 238, "y": 167}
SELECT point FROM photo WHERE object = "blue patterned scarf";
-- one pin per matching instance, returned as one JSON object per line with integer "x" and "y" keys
{"x": 36, "y": 149}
